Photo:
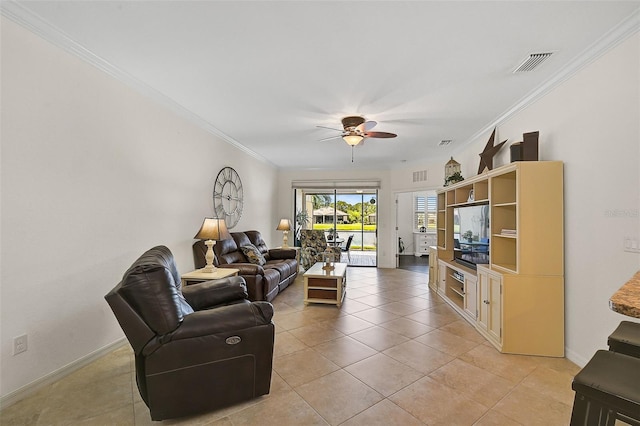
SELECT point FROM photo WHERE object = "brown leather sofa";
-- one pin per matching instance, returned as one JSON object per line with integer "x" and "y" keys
{"x": 264, "y": 282}
{"x": 197, "y": 348}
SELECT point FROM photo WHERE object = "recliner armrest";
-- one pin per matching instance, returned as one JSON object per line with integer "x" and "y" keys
{"x": 217, "y": 292}
{"x": 282, "y": 253}
{"x": 227, "y": 319}
{"x": 245, "y": 268}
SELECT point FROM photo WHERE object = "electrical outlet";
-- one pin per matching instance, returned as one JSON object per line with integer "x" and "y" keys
{"x": 19, "y": 344}
{"x": 631, "y": 245}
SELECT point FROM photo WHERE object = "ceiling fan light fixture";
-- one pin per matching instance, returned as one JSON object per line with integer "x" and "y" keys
{"x": 352, "y": 139}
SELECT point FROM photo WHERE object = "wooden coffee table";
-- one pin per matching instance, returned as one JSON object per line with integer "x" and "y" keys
{"x": 321, "y": 286}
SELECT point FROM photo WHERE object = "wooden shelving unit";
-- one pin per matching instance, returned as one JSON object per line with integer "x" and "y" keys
{"x": 517, "y": 300}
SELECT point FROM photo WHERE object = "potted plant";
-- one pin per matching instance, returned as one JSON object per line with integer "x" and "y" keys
{"x": 468, "y": 236}
{"x": 454, "y": 178}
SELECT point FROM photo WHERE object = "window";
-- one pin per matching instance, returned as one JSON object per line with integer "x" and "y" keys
{"x": 432, "y": 210}
{"x": 424, "y": 212}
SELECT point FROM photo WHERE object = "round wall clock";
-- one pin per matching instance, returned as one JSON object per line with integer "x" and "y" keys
{"x": 228, "y": 197}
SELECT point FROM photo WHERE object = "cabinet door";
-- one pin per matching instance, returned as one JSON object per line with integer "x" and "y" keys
{"x": 442, "y": 277}
{"x": 495, "y": 307}
{"x": 483, "y": 300}
{"x": 470, "y": 296}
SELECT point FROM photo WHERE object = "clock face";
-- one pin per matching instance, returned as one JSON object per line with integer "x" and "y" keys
{"x": 228, "y": 197}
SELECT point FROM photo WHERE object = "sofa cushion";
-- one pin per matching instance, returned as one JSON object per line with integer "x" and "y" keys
{"x": 253, "y": 255}
{"x": 227, "y": 252}
{"x": 256, "y": 239}
{"x": 241, "y": 239}
{"x": 281, "y": 254}
{"x": 283, "y": 268}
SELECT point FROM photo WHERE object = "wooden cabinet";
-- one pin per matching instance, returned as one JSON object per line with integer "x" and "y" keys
{"x": 441, "y": 220}
{"x": 455, "y": 286}
{"x": 458, "y": 286}
{"x": 520, "y": 292}
{"x": 433, "y": 268}
{"x": 470, "y": 296}
{"x": 490, "y": 305}
{"x": 442, "y": 277}
{"x": 421, "y": 243}
{"x": 527, "y": 219}
{"x": 521, "y": 314}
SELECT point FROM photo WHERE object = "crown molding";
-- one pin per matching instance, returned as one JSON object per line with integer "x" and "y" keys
{"x": 625, "y": 29}
{"x": 34, "y": 23}
{"x": 31, "y": 21}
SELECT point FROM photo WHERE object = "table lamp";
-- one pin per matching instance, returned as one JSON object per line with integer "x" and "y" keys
{"x": 212, "y": 230}
{"x": 285, "y": 227}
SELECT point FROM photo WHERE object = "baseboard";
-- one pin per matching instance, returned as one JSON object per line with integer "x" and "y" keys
{"x": 31, "y": 388}
{"x": 572, "y": 356}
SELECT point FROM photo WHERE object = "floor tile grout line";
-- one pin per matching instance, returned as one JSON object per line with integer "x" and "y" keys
{"x": 447, "y": 327}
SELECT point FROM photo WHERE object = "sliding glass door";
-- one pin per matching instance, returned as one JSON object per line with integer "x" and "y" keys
{"x": 349, "y": 219}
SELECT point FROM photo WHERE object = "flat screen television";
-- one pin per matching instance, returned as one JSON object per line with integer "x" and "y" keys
{"x": 471, "y": 235}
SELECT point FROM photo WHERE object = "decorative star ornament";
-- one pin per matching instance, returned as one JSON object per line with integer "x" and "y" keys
{"x": 486, "y": 156}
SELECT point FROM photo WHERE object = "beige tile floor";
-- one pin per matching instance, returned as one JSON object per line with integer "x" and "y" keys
{"x": 393, "y": 354}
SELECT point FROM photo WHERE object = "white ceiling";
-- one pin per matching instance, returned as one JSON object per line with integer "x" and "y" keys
{"x": 264, "y": 74}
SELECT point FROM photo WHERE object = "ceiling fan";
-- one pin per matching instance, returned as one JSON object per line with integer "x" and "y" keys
{"x": 356, "y": 129}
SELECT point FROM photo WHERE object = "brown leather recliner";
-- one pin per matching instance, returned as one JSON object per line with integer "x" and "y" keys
{"x": 196, "y": 348}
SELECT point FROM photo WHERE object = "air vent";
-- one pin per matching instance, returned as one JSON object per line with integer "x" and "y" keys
{"x": 420, "y": 176}
{"x": 533, "y": 61}
{"x": 445, "y": 142}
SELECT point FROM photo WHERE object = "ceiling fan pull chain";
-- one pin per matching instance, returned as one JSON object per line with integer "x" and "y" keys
{"x": 352, "y": 153}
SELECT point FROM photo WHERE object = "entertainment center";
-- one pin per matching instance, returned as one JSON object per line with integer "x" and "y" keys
{"x": 500, "y": 255}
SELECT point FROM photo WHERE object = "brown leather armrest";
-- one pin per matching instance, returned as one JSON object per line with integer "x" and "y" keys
{"x": 217, "y": 292}
{"x": 245, "y": 268}
{"x": 225, "y": 319}
{"x": 282, "y": 253}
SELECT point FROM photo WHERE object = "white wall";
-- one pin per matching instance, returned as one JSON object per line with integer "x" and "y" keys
{"x": 93, "y": 174}
{"x": 592, "y": 123}
{"x": 404, "y": 219}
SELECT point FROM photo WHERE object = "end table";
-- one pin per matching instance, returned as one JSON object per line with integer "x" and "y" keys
{"x": 199, "y": 276}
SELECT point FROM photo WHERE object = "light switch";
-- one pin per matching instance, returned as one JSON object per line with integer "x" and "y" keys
{"x": 631, "y": 245}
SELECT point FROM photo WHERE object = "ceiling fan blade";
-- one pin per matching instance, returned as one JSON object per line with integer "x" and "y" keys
{"x": 330, "y": 138}
{"x": 367, "y": 125}
{"x": 330, "y": 128}
{"x": 380, "y": 135}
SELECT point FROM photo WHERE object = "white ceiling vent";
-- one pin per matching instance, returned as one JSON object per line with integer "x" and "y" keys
{"x": 532, "y": 61}
{"x": 445, "y": 142}
{"x": 420, "y": 176}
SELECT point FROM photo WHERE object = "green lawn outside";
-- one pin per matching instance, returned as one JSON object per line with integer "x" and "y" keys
{"x": 345, "y": 227}
{"x": 366, "y": 248}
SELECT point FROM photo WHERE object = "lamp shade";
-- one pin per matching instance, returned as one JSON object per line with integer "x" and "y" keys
{"x": 352, "y": 139}
{"x": 213, "y": 229}
{"x": 284, "y": 225}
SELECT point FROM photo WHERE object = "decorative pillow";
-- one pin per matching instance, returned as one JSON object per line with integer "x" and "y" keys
{"x": 253, "y": 254}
